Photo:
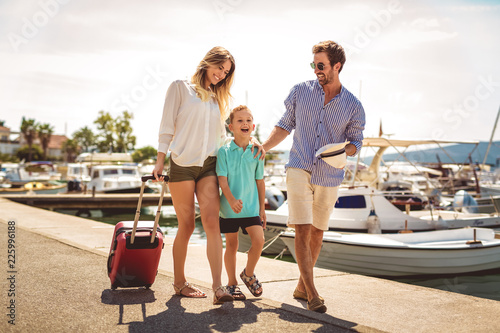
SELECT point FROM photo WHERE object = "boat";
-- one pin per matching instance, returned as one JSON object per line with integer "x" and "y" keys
{"x": 30, "y": 178}
{"x": 356, "y": 203}
{"x": 78, "y": 172}
{"x": 440, "y": 252}
{"x": 22, "y": 173}
{"x": 116, "y": 178}
{"x": 51, "y": 187}
{"x": 352, "y": 214}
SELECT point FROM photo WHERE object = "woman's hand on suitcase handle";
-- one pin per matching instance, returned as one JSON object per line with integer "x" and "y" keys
{"x": 153, "y": 178}
{"x": 157, "y": 171}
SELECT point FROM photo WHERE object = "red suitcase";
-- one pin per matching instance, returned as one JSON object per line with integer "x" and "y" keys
{"x": 136, "y": 248}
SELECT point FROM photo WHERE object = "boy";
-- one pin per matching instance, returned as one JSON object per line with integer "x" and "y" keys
{"x": 241, "y": 178}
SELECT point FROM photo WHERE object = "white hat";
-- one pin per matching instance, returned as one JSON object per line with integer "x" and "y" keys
{"x": 333, "y": 154}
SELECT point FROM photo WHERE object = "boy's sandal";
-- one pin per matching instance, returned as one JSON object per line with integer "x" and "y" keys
{"x": 196, "y": 294}
{"x": 225, "y": 297}
{"x": 235, "y": 291}
{"x": 253, "y": 287}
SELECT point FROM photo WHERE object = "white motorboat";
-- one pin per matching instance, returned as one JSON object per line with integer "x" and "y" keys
{"x": 78, "y": 172}
{"x": 116, "y": 178}
{"x": 438, "y": 252}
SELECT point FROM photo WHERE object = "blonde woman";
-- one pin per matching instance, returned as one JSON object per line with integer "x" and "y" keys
{"x": 192, "y": 128}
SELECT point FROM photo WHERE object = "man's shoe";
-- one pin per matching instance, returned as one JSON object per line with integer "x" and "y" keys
{"x": 300, "y": 294}
{"x": 303, "y": 295}
{"x": 316, "y": 305}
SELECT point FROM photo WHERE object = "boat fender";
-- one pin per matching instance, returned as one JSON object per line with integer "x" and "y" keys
{"x": 373, "y": 223}
{"x": 465, "y": 201}
{"x": 274, "y": 197}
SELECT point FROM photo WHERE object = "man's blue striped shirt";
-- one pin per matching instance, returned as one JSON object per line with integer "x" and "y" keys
{"x": 316, "y": 125}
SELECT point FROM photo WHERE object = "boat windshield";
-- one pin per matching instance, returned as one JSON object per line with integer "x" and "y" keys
{"x": 351, "y": 201}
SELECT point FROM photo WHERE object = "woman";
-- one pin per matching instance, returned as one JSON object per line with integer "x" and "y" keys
{"x": 193, "y": 128}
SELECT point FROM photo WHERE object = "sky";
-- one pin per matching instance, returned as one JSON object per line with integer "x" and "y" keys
{"x": 426, "y": 69}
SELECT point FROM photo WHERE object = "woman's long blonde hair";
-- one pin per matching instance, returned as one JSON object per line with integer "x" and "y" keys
{"x": 215, "y": 57}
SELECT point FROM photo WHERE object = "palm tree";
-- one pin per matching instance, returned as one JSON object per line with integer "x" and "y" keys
{"x": 44, "y": 133}
{"x": 28, "y": 128}
{"x": 70, "y": 148}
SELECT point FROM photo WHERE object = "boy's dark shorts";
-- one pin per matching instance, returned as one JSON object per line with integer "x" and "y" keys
{"x": 177, "y": 173}
{"x": 228, "y": 226}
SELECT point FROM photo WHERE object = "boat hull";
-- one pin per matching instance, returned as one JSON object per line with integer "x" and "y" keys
{"x": 374, "y": 255}
{"x": 45, "y": 189}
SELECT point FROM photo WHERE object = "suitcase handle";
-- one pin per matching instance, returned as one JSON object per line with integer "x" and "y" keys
{"x": 151, "y": 177}
{"x": 139, "y": 204}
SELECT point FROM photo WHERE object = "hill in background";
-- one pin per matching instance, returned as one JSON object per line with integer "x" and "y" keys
{"x": 457, "y": 153}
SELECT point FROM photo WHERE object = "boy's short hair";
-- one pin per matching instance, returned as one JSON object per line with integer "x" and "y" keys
{"x": 236, "y": 109}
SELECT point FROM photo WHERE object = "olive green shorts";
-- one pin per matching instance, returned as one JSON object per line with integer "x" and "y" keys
{"x": 177, "y": 173}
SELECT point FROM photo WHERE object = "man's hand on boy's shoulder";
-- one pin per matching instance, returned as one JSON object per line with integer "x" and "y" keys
{"x": 260, "y": 149}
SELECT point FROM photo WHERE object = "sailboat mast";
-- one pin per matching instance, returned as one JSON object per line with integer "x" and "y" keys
{"x": 491, "y": 138}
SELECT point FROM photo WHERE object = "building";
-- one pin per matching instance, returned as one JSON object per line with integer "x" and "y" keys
{"x": 8, "y": 143}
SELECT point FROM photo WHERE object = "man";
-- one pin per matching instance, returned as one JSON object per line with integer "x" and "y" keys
{"x": 321, "y": 112}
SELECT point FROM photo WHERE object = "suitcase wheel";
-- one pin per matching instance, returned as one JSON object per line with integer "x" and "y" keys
{"x": 113, "y": 287}
{"x": 148, "y": 286}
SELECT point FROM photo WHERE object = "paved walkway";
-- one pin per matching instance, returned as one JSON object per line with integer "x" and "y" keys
{"x": 61, "y": 285}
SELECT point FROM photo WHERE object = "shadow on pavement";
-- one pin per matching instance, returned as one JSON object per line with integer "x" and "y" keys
{"x": 124, "y": 297}
{"x": 228, "y": 318}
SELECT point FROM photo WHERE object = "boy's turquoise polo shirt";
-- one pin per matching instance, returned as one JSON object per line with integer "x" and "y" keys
{"x": 241, "y": 170}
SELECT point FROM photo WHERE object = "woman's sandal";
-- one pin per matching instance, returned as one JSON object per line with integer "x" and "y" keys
{"x": 235, "y": 291}
{"x": 253, "y": 287}
{"x": 226, "y": 297}
{"x": 196, "y": 294}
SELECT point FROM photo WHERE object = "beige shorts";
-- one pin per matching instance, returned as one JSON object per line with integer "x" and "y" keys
{"x": 308, "y": 203}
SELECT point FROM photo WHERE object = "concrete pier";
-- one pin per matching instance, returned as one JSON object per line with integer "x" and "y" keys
{"x": 60, "y": 284}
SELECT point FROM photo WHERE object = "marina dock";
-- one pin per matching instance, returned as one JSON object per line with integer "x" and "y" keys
{"x": 87, "y": 201}
{"x": 61, "y": 284}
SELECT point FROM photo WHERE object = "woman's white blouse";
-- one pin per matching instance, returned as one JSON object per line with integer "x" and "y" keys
{"x": 190, "y": 128}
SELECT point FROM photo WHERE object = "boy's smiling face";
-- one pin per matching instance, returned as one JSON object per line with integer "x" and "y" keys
{"x": 242, "y": 123}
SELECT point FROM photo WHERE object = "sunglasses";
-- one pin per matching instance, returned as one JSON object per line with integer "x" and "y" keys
{"x": 320, "y": 66}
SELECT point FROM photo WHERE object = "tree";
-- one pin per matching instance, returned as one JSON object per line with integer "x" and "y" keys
{"x": 125, "y": 139}
{"x": 28, "y": 153}
{"x": 85, "y": 138}
{"x": 114, "y": 134}
{"x": 257, "y": 133}
{"x": 70, "y": 148}
{"x": 28, "y": 129}
{"x": 144, "y": 153}
{"x": 44, "y": 133}
{"x": 8, "y": 158}
{"x": 106, "y": 126}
